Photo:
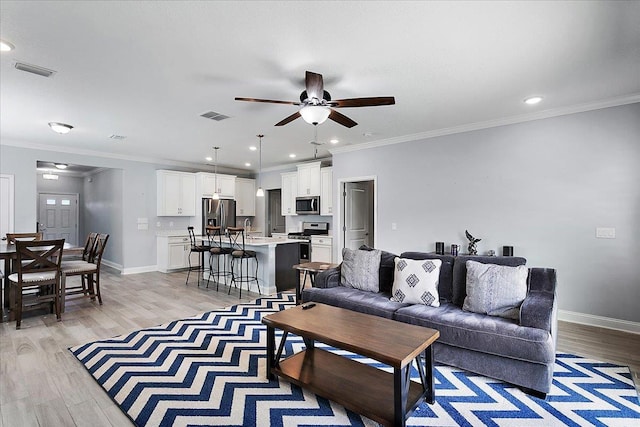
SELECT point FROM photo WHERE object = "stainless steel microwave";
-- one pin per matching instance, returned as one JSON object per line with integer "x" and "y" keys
{"x": 309, "y": 205}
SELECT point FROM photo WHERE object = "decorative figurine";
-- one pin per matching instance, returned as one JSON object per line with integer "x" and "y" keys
{"x": 472, "y": 243}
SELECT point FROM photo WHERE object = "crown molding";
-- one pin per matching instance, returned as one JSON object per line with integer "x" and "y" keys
{"x": 544, "y": 114}
{"x": 201, "y": 167}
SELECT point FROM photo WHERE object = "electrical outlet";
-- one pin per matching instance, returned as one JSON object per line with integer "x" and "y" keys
{"x": 158, "y": 224}
{"x": 605, "y": 233}
{"x": 170, "y": 223}
{"x": 394, "y": 226}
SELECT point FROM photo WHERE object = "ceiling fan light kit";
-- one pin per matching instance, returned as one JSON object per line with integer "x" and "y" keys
{"x": 315, "y": 114}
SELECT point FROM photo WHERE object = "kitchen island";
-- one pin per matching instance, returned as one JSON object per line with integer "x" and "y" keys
{"x": 276, "y": 257}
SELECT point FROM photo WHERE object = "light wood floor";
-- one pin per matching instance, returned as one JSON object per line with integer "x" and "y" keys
{"x": 42, "y": 384}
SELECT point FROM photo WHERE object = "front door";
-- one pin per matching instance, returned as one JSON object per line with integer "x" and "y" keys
{"x": 357, "y": 214}
{"x": 58, "y": 217}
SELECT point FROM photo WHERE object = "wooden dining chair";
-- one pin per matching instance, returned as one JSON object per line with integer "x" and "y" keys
{"x": 37, "y": 280}
{"x": 88, "y": 269}
{"x": 13, "y": 237}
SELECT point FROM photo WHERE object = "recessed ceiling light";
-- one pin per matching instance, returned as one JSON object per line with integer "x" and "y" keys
{"x": 247, "y": 164}
{"x": 6, "y": 46}
{"x": 293, "y": 156}
{"x": 60, "y": 165}
{"x": 60, "y": 127}
{"x": 253, "y": 148}
{"x": 532, "y": 100}
{"x": 209, "y": 158}
{"x": 334, "y": 141}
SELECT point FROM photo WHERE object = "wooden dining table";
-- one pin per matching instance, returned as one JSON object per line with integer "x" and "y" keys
{"x": 8, "y": 254}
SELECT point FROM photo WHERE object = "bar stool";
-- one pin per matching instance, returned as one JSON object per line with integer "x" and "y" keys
{"x": 243, "y": 256}
{"x": 217, "y": 251}
{"x": 200, "y": 249}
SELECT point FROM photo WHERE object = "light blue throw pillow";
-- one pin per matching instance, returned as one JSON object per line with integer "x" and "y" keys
{"x": 361, "y": 269}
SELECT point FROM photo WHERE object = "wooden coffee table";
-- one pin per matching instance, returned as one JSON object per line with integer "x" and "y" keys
{"x": 387, "y": 398}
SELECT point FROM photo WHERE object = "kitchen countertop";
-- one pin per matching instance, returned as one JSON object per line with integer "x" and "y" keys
{"x": 249, "y": 241}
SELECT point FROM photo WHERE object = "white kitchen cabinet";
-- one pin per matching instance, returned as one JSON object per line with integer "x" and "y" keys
{"x": 224, "y": 185}
{"x": 173, "y": 253}
{"x": 321, "y": 249}
{"x": 309, "y": 179}
{"x": 326, "y": 191}
{"x": 245, "y": 197}
{"x": 288, "y": 193}
{"x": 176, "y": 193}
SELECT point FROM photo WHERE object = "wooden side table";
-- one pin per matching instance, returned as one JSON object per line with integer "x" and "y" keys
{"x": 310, "y": 269}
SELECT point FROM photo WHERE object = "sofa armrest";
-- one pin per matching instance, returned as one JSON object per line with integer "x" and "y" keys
{"x": 540, "y": 307}
{"x": 329, "y": 278}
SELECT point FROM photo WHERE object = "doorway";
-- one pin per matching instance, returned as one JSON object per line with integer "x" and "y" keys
{"x": 58, "y": 216}
{"x": 357, "y": 213}
{"x": 275, "y": 220}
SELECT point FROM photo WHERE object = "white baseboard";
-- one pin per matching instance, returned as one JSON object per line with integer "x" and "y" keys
{"x": 599, "y": 321}
{"x": 137, "y": 270}
{"x": 134, "y": 270}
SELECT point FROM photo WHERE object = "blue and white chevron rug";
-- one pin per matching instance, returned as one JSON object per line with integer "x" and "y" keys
{"x": 210, "y": 370}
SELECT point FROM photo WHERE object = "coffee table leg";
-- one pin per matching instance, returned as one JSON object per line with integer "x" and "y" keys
{"x": 271, "y": 345}
{"x": 400, "y": 393}
{"x": 428, "y": 362}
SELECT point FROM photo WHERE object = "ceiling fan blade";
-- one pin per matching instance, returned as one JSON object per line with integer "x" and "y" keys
{"x": 270, "y": 101}
{"x": 363, "y": 102}
{"x": 314, "y": 84}
{"x": 288, "y": 119}
{"x": 342, "y": 119}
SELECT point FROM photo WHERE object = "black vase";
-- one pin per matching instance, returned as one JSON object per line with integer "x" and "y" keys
{"x": 440, "y": 248}
{"x": 507, "y": 251}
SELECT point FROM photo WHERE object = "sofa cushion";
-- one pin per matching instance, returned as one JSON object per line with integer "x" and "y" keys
{"x": 460, "y": 272}
{"x": 479, "y": 332}
{"x": 377, "y": 304}
{"x": 360, "y": 269}
{"x": 416, "y": 281}
{"x": 387, "y": 267}
{"x": 495, "y": 290}
{"x": 445, "y": 281}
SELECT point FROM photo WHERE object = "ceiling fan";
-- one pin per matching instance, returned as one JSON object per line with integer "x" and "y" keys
{"x": 317, "y": 105}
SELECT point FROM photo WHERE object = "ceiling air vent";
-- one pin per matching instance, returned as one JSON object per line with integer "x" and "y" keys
{"x": 214, "y": 116}
{"x": 117, "y": 137}
{"x": 34, "y": 69}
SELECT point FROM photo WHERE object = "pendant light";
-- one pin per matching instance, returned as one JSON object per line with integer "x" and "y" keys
{"x": 216, "y": 196}
{"x": 260, "y": 192}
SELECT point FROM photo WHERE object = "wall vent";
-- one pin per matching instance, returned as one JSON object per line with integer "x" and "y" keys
{"x": 214, "y": 116}
{"x": 117, "y": 137}
{"x": 34, "y": 69}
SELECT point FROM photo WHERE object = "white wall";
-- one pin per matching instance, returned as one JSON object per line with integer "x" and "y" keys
{"x": 541, "y": 186}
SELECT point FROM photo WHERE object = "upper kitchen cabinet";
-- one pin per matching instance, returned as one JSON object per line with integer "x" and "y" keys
{"x": 245, "y": 197}
{"x": 209, "y": 183}
{"x": 326, "y": 191}
{"x": 309, "y": 179}
{"x": 176, "y": 193}
{"x": 288, "y": 193}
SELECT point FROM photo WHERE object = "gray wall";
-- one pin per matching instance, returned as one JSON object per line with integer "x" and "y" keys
{"x": 541, "y": 186}
{"x": 103, "y": 211}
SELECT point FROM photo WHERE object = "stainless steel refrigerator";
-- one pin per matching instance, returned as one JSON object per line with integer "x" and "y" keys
{"x": 221, "y": 212}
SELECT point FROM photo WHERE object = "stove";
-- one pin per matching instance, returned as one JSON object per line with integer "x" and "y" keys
{"x": 308, "y": 229}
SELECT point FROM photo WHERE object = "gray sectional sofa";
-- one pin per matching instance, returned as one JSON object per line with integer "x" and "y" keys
{"x": 520, "y": 352}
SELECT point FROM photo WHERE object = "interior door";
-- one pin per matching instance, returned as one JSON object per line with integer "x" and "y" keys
{"x": 6, "y": 204}
{"x": 357, "y": 214}
{"x": 275, "y": 222}
{"x": 58, "y": 217}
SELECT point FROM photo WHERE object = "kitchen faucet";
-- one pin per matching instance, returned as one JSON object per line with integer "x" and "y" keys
{"x": 247, "y": 226}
